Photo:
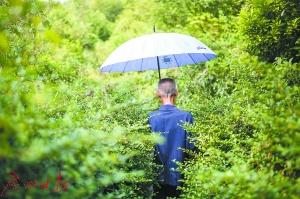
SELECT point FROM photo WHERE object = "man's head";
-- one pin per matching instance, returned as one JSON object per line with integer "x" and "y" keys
{"x": 167, "y": 88}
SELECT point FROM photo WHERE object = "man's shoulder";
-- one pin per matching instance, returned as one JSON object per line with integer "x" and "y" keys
{"x": 153, "y": 113}
{"x": 184, "y": 114}
{"x": 175, "y": 113}
{"x": 184, "y": 111}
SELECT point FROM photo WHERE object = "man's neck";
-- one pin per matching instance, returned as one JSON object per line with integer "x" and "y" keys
{"x": 166, "y": 101}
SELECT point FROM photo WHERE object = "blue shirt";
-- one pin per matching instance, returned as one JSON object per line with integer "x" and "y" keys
{"x": 167, "y": 121}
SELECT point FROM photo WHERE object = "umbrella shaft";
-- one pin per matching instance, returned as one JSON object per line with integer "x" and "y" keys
{"x": 158, "y": 67}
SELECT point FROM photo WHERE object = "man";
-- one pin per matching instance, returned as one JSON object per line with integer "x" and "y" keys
{"x": 168, "y": 121}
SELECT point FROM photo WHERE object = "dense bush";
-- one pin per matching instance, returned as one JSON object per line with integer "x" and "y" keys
{"x": 55, "y": 119}
{"x": 247, "y": 138}
{"x": 272, "y": 28}
{"x": 60, "y": 116}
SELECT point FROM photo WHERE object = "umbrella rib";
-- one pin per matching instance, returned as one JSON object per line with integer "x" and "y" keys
{"x": 182, "y": 53}
{"x": 187, "y": 43}
{"x": 190, "y": 48}
{"x": 125, "y": 67}
{"x": 176, "y": 61}
{"x": 142, "y": 56}
{"x": 206, "y": 57}
{"x": 123, "y": 51}
{"x": 172, "y": 53}
{"x": 176, "y": 43}
{"x": 153, "y": 45}
{"x": 141, "y": 64}
{"x": 131, "y": 54}
{"x": 192, "y": 58}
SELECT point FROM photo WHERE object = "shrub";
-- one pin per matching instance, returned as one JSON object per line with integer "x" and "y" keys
{"x": 272, "y": 29}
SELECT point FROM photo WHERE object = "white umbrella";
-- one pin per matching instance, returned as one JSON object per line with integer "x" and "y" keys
{"x": 157, "y": 51}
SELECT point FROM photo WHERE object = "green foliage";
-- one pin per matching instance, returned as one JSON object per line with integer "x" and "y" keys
{"x": 272, "y": 28}
{"x": 72, "y": 21}
{"x": 18, "y": 18}
{"x": 207, "y": 15}
{"x": 112, "y": 9}
{"x": 59, "y": 114}
{"x": 244, "y": 138}
{"x": 53, "y": 119}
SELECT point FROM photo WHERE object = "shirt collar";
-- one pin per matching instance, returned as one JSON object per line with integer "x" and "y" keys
{"x": 167, "y": 107}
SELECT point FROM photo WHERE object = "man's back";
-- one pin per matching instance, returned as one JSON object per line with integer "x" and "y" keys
{"x": 167, "y": 121}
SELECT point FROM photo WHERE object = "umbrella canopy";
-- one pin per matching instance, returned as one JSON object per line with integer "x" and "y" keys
{"x": 157, "y": 51}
